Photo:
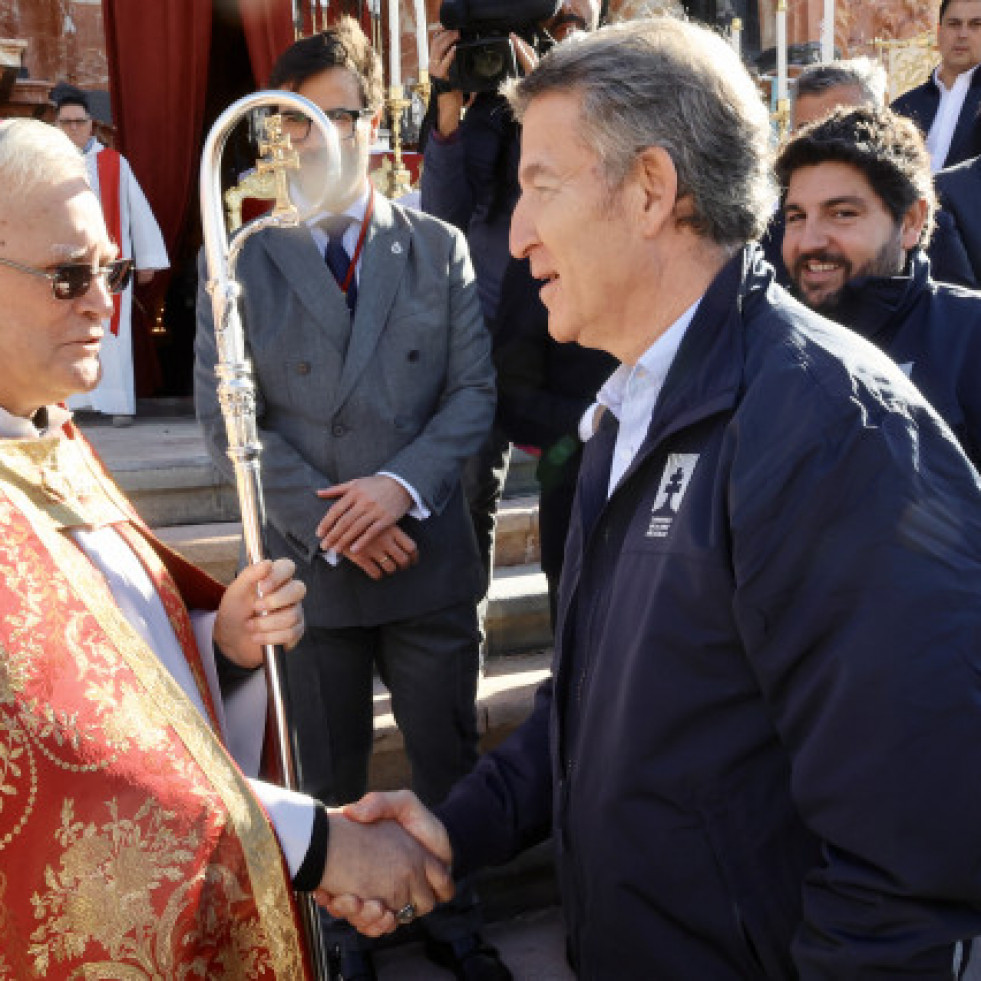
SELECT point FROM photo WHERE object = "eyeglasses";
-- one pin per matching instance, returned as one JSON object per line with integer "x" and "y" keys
{"x": 70, "y": 280}
{"x": 74, "y": 122}
{"x": 296, "y": 125}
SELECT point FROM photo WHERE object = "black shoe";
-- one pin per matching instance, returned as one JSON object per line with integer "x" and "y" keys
{"x": 351, "y": 965}
{"x": 469, "y": 958}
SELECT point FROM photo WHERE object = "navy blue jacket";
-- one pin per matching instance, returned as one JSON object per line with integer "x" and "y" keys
{"x": 758, "y": 754}
{"x": 921, "y": 104}
{"x": 959, "y": 190}
{"x": 933, "y": 331}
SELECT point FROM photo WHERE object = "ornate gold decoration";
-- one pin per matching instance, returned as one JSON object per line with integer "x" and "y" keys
{"x": 908, "y": 62}
{"x": 252, "y": 185}
{"x": 383, "y": 176}
{"x": 276, "y": 156}
{"x": 268, "y": 182}
{"x": 99, "y": 897}
{"x": 424, "y": 87}
{"x": 401, "y": 180}
{"x": 90, "y": 891}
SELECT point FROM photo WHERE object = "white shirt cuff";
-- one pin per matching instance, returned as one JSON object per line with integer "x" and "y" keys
{"x": 419, "y": 511}
{"x": 292, "y": 819}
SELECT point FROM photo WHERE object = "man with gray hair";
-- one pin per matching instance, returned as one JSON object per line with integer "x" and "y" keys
{"x": 821, "y": 88}
{"x": 751, "y": 752}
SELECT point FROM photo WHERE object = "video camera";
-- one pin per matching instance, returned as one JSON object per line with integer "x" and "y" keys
{"x": 484, "y": 54}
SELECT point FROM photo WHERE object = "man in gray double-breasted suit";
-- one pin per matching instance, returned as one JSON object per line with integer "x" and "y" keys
{"x": 366, "y": 412}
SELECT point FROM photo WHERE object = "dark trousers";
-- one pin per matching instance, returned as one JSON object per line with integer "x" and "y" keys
{"x": 430, "y": 664}
{"x": 483, "y": 478}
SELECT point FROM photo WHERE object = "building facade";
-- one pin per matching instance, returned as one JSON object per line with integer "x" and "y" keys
{"x": 65, "y": 39}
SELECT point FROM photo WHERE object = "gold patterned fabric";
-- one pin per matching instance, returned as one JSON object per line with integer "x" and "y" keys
{"x": 130, "y": 844}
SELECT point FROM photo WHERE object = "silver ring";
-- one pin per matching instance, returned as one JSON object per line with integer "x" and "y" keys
{"x": 406, "y": 914}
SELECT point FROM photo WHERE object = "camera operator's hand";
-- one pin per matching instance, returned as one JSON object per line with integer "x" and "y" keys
{"x": 442, "y": 51}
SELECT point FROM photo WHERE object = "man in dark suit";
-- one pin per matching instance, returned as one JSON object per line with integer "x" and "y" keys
{"x": 959, "y": 190}
{"x": 375, "y": 384}
{"x": 946, "y": 105}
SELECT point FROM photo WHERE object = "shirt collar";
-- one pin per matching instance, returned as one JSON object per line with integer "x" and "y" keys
{"x": 654, "y": 363}
{"x": 963, "y": 80}
{"x": 17, "y": 427}
{"x": 355, "y": 210}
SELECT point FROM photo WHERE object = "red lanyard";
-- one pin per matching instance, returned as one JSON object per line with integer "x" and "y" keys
{"x": 364, "y": 231}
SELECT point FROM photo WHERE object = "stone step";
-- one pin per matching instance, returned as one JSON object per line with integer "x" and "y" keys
{"x": 504, "y": 700}
{"x": 162, "y": 465}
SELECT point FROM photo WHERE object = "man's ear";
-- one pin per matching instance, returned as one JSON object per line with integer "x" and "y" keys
{"x": 912, "y": 224}
{"x": 655, "y": 188}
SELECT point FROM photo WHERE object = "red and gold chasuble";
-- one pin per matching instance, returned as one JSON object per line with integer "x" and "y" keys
{"x": 130, "y": 844}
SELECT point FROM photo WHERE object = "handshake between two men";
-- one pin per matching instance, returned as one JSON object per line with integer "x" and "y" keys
{"x": 388, "y": 860}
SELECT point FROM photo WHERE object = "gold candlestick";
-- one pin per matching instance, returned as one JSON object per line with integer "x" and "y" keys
{"x": 401, "y": 178}
{"x": 276, "y": 157}
{"x": 782, "y": 118}
{"x": 423, "y": 87}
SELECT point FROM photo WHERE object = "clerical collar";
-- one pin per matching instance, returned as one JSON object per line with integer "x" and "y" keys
{"x": 48, "y": 419}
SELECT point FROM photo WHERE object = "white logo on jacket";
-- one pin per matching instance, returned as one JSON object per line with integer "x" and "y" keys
{"x": 674, "y": 482}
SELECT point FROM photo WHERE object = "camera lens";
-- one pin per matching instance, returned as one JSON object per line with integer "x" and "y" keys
{"x": 488, "y": 63}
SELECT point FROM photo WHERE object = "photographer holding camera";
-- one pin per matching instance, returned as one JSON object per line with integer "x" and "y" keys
{"x": 470, "y": 174}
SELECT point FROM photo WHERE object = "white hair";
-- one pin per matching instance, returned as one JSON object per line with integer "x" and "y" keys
{"x": 33, "y": 153}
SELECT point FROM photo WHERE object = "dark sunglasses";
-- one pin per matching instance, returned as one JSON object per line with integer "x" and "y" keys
{"x": 70, "y": 280}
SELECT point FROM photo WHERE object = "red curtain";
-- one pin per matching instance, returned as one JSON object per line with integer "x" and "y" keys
{"x": 268, "y": 27}
{"x": 158, "y": 76}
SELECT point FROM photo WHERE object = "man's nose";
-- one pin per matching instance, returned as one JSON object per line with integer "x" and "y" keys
{"x": 521, "y": 236}
{"x": 97, "y": 300}
{"x": 811, "y": 234}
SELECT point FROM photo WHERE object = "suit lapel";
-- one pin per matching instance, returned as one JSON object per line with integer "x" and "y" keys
{"x": 966, "y": 122}
{"x": 383, "y": 263}
{"x": 299, "y": 260}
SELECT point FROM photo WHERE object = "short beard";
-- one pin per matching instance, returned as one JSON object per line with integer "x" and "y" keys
{"x": 888, "y": 261}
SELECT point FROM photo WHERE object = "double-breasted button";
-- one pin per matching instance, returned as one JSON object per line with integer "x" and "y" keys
{"x": 413, "y": 355}
{"x": 303, "y": 368}
{"x": 338, "y": 429}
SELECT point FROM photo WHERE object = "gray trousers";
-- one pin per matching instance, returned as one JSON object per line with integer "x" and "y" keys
{"x": 430, "y": 664}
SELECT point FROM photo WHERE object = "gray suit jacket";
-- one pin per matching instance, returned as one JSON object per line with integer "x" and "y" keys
{"x": 407, "y": 388}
